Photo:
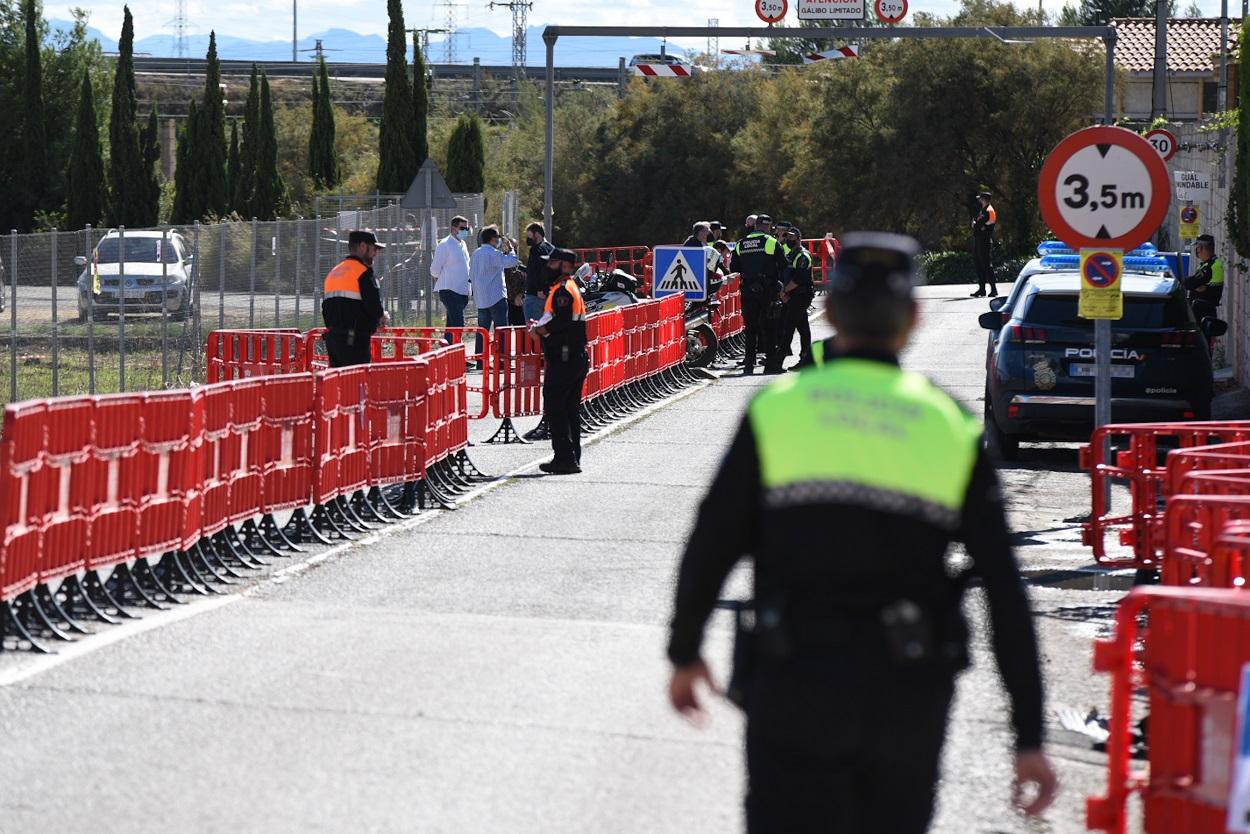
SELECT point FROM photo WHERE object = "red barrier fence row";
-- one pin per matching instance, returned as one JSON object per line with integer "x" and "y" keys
{"x": 97, "y": 482}
{"x": 1193, "y": 647}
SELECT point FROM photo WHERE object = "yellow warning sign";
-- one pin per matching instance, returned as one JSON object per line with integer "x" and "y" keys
{"x": 1190, "y": 221}
{"x": 1101, "y": 297}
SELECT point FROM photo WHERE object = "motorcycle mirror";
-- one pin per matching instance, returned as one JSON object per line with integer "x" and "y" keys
{"x": 1213, "y": 328}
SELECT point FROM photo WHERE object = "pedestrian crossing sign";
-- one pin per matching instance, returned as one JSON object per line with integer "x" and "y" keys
{"x": 681, "y": 269}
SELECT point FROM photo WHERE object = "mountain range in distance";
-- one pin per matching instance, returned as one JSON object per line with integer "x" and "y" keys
{"x": 345, "y": 46}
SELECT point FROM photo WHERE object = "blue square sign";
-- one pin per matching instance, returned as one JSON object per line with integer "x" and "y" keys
{"x": 681, "y": 269}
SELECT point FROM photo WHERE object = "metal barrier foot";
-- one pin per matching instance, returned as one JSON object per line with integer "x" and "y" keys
{"x": 10, "y": 616}
{"x": 382, "y": 507}
{"x": 364, "y": 509}
{"x": 176, "y": 573}
{"x": 144, "y": 572}
{"x": 220, "y": 550}
{"x": 187, "y": 560}
{"x": 251, "y": 533}
{"x": 49, "y": 599}
{"x": 348, "y": 514}
{"x": 507, "y": 433}
{"x": 410, "y": 498}
{"x": 207, "y": 556}
{"x": 428, "y": 487}
{"x": 305, "y": 525}
{"x": 127, "y": 586}
{"x": 74, "y": 592}
{"x": 97, "y": 587}
{"x": 30, "y": 605}
{"x": 322, "y": 518}
{"x": 241, "y": 550}
{"x": 468, "y": 469}
{"x": 270, "y": 530}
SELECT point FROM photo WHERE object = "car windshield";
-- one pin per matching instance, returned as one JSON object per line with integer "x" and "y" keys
{"x": 150, "y": 250}
{"x": 1140, "y": 313}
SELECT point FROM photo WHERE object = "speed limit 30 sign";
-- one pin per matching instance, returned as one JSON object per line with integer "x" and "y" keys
{"x": 1163, "y": 141}
{"x": 1104, "y": 187}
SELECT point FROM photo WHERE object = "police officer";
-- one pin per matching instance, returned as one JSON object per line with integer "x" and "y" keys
{"x": 983, "y": 244}
{"x": 1206, "y": 285}
{"x": 759, "y": 259}
{"x": 797, "y": 294}
{"x": 352, "y": 303}
{"x": 563, "y": 331}
{"x": 846, "y": 484}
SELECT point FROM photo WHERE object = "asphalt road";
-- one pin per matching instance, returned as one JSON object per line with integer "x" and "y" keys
{"x": 500, "y": 668}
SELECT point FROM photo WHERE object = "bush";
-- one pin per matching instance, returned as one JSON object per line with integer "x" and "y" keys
{"x": 958, "y": 268}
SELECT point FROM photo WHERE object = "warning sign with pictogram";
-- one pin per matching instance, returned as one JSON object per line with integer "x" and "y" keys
{"x": 681, "y": 269}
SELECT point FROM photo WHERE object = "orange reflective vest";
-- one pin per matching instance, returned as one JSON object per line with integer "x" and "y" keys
{"x": 579, "y": 304}
{"x": 344, "y": 280}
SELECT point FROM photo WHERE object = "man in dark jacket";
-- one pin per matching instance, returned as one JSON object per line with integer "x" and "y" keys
{"x": 535, "y": 270}
{"x": 352, "y": 303}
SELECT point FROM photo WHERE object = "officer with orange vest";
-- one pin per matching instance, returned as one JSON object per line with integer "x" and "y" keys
{"x": 563, "y": 331}
{"x": 352, "y": 305}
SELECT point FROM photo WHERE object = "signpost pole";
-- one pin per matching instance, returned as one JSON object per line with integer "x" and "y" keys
{"x": 1102, "y": 327}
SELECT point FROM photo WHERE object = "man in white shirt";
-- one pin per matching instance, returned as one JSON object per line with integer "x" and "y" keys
{"x": 486, "y": 274}
{"x": 450, "y": 269}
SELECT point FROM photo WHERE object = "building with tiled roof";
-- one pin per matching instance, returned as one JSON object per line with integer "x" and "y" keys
{"x": 1193, "y": 66}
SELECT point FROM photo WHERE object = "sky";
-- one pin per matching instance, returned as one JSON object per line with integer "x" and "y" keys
{"x": 271, "y": 19}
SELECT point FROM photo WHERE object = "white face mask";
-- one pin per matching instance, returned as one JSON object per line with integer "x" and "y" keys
{"x": 463, "y": 234}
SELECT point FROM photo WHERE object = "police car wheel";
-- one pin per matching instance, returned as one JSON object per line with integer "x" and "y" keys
{"x": 1000, "y": 444}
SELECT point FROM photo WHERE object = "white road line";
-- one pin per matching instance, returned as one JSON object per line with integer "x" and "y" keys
{"x": 33, "y": 665}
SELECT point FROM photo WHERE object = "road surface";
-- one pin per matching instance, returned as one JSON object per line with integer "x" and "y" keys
{"x": 500, "y": 668}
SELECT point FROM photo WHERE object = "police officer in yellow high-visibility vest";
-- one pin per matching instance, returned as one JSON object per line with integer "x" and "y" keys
{"x": 1206, "y": 285}
{"x": 847, "y": 483}
{"x": 352, "y": 302}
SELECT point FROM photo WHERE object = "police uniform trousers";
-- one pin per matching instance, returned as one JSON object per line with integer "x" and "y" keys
{"x": 795, "y": 320}
{"x": 562, "y": 405}
{"x": 347, "y": 347}
{"x": 844, "y": 745}
{"x": 760, "y": 327}
{"x": 981, "y": 257}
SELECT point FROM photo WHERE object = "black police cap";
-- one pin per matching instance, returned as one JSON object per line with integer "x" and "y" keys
{"x": 558, "y": 255}
{"x": 763, "y": 218}
{"x": 875, "y": 262}
{"x": 1209, "y": 240}
{"x": 793, "y": 230}
{"x": 357, "y": 237}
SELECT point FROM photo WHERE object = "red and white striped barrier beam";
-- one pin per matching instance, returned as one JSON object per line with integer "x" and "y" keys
{"x": 661, "y": 70}
{"x": 832, "y": 55}
{"x": 766, "y": 53}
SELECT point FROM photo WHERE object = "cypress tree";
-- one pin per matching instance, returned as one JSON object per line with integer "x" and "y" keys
{"x": 232, "y": 163}
{"x": 127, "y": 184}
{"x": 269, "y": 200}
{"x": 150, "y": 148}
{"x": 466, "y": 157}
{"x": 397, "y": 163}
{"x": 1239, "y": 199}
{"x": 323, "y": 158}
{"x": 34, "y": 125}
{"x": 420, "y": 105}
{"x": 186, "y": 208}
{"x": 245, "y": 182}
{"x": 86, "y": 199}
{"x": 209, "y": 160}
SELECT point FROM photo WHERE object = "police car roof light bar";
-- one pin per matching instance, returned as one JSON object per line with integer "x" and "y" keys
{"x": 1137, "y": 263}
{"x": 1057, "y": 247}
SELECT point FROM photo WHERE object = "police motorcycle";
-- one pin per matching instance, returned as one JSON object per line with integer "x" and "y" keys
{"x": 606, "y": 290}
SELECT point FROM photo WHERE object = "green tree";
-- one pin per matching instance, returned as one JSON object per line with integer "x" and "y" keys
{"x": 208, "y": 179}
{"x": 232, "y": 160}
{"x": 245, "y": 183}
{"x": 34, "y": 129}
{"x": 323, "y": 160}
{"x": 127, "y": 183}
{"x": 397, "y": 165}
{"x": 185, "y": 210}
{"x": 420, "y": 105}
{"x": 466, "y": 157}
{"x": 1102, "y": 12}
{"x": 150, "y": 148}
{"x": 87, "y": 197}
{"x": 269, "y": 199}
{"x": 1239, "y": 199}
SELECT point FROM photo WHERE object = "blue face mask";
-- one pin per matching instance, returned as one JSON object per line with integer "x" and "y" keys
{"x": 463, "y": 234}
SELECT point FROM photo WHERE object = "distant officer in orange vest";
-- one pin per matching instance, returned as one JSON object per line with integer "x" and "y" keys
{"x": 983, "y": 245}
{"x": 563, "y": 331}
{"x": 352, "y": 306}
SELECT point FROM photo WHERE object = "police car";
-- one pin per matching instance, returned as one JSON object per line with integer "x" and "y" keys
{"x": 1040, "y": 362}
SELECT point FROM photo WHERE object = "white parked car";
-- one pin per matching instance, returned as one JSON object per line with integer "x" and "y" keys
{"x": 151, "y": 275}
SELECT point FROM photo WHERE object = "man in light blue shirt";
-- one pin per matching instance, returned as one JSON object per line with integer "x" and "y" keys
{"x": 486, "y": 267}
{"x": 450, "y": 267}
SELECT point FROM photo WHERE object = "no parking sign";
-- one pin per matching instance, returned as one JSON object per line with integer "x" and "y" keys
{"x": 1101, "y": 297}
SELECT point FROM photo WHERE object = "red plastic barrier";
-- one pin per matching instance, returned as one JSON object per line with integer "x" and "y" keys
{"x": 239, "y": 354}
{"x": 1140, "y": 460}
{"x": 395, "y": 409}
{"x": 824, "y": 252}
{"x": 285, "y": 442}
{"x": 517, "y": 379}
{"x": 66, "y": 485}
{"x": 341, "y": 461}
{"x": 672, "y": 332}
{"x": 218, "y": 458}
{"x": 21, "y": 465}
{"x": 115, "y": 480}
{"x": 1196, "y": 643}
{"x": 168, "y": 470}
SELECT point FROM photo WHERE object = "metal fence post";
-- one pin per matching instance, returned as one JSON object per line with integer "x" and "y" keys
{"x": 56, "y": 323}
{"x": 164, "y": 309}
{"x": 299, "y": 244}
{"x": 316, "y": 256}
{"x": 89, "y": 248}
{"x": 275, "y": 243}
{"x": 196, "y": 322}
{"x": 121, "y": 308}
{"x": 251, "y": 287}
{"x": 221, "y": 276}
{"x": 13, "y": 317}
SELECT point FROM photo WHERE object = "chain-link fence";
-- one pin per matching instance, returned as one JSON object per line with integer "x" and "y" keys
{"x": 112, "y": 310}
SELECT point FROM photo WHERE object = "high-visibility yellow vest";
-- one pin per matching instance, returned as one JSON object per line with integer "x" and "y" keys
{"x": 344, "y": 280}
{"x": 866, "y": 434}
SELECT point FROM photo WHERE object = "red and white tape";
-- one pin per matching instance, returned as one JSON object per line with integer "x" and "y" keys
{"x": 832, "y": 55}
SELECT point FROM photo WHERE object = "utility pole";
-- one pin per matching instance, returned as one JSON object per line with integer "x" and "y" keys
{"x": 424, "y": 34}
{"x": 1159, "y": 93}
{"x": 294, "y": 31}
{"x": 520, "y": 9}
{"x": 713, "y": 41}
{"x": 450, "y": 24}
{"x": 179, "y": 25}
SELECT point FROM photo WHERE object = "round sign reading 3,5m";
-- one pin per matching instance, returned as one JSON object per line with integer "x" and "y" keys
{"x": 1104, "y": 187}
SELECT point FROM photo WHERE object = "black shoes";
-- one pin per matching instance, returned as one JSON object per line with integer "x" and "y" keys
{"x": 978, "y": 294}
{"x": 773, "y": 371}
{"x": 553, "y": 468}
{"x": 993, "y": 293}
